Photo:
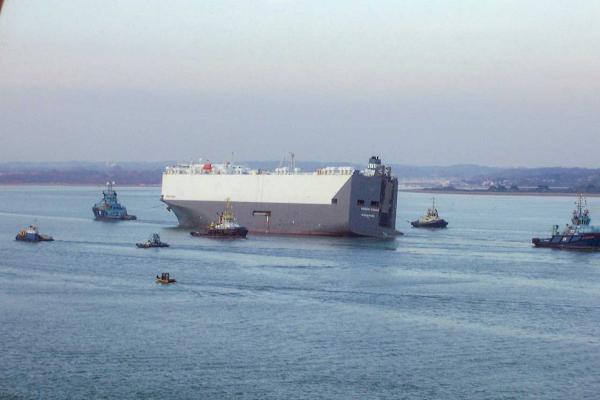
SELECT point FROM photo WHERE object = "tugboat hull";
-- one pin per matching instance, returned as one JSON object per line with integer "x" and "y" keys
{"x": 34, "y": 238}
{"x": 585, "y": 241}
{"x": 433, "y": 224}
{"x": 240, "y": 232}
{"x": 100, "y": 215}
{"x": 149, "y": 246}
{"x": 165, "y": 281}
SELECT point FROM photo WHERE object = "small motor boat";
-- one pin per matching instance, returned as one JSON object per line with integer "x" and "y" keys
{"x": 154, "y": 241}
{"x": 31, "y": 234}
{"x": 164, "y": 278}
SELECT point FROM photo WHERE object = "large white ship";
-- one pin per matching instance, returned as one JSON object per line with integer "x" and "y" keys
{"x": 335, "y": 201}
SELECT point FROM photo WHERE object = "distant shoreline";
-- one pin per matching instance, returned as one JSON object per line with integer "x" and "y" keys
{"x": 489, "y": 193}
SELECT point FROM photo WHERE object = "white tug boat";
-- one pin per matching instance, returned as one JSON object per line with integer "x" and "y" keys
{"x": 430, "y": 220}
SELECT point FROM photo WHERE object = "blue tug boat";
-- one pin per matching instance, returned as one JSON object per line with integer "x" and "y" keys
{"x": 580, "y": 235}
{"x": 31, "y": 234}
{"x": 109, "y": 209}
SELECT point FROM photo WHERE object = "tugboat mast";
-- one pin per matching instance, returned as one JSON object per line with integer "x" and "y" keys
{"x": 581, "y": 215}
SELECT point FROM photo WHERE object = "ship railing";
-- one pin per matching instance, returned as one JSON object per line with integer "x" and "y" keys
{"x": 193, "y": 170}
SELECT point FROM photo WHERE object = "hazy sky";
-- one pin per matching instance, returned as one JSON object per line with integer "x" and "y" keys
{"x": 419, "y": 82}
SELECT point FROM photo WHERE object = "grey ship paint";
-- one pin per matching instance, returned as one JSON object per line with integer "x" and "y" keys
{"x": 334, "y": 201}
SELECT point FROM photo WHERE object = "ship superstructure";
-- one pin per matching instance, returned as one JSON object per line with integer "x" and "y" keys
{"x": 337, "y": 201}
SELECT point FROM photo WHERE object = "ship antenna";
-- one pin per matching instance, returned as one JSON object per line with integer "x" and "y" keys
{"x": 292, "y": 162}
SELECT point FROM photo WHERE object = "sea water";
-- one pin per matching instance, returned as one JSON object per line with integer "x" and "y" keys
{"x": 472, "y": 311}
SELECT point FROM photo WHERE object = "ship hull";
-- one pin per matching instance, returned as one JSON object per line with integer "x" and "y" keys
{"x": 360, "y": 206}
{"x": 587, "y": 241}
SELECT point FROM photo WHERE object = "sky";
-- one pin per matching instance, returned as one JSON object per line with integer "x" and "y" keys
{"x": 422, "y": 82}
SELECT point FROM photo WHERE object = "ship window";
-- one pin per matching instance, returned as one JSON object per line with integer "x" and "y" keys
{"x": 334, "y": 201}
{"x": 360, "y": 203}
{"x": 261, "y": 213}
{"x": 375, "y": 204}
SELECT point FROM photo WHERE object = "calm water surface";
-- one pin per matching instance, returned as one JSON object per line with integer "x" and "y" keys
{"x": 469, "y": 312}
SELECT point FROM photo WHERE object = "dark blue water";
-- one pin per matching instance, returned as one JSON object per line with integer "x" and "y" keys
{"x": 469, "y": 312}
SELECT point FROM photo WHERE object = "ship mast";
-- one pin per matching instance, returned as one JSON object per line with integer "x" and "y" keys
{"x": 292, "y": 163}
{"x": 581, "y": 215}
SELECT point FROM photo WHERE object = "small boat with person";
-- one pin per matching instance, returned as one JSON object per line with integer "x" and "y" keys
{"x": 430, "y": 220}
{"x": 226, "y": 227}
{"x": 32, "y": 234}
{"x": 154, "y": 241}
{"x": 165, "y": 278}
{"x": 579, "y": 235}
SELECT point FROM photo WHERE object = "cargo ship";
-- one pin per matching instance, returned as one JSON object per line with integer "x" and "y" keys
{"x": 331, "y": 201}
